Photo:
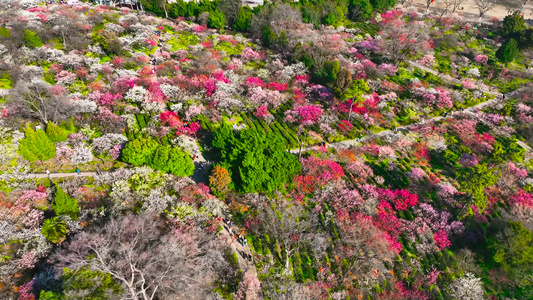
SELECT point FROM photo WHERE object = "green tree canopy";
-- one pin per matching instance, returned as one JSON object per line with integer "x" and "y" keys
{"x": 360, "y": 10}
{"x": 54, "y": 230}
{"x": 513, "y": 24}
{"x": 65, "y": 205}
{"x": 513, "y": 251}
{"x": 216, "y": 20}
{"x": 508, "y": 51}
{"x": 139, "y": 151}
{"x": 173, "y": 160}
{"x": 257, "y": 160}
{"x": 55, "y": 133}
{"x": 32, "y": 40}
{"x": 244, "y": 19}
{"x": 382, "y": 5}
{"x": 36, "y": 145}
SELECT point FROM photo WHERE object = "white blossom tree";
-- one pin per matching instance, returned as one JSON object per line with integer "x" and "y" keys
{"x": 467, "y": 288}
{"x": 82, "y": 154}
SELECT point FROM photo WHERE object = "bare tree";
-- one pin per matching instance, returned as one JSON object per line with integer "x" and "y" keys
{"x": 8, "y": 11}
{"x": 290, "y": 226}
{"x": 34, "y": 100}
{"x": 147, "y": 261}
{"x": 523, "y": 4}
{"x": 281, "y": 17}
{"x": 428, "y": 3}
{"x": 283, "y": 287}
{"x": 484, "y": 6}
{"x": 64, "y": 23}
{"x": 451, "y": 4}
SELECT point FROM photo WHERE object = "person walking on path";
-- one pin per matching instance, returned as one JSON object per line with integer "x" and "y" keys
{"x": 78, "y": 171}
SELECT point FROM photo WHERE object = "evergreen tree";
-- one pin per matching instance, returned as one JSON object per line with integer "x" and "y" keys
{"x": 175, "y": 161}
{"x": 54, "y": 230}
{"x": 513, "y": 24}
{"x": 55, "y": 133}
{"x": 139, "y": 151}
{"x": 382, "y": 5}
{"x": 216, "y": 20}
{"x": 244, "y": 19}
{"x": 36, "y": 146}
{"x": 508, "y": 52}
{"x": 32, "y": 40}
{"x": 65, "y": 205}
{"x": 257, "y": 160}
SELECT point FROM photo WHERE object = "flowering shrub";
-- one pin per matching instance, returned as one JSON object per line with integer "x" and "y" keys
{"x": 517, "y": 171}
{"x": 261, "y": 112}
{"x": 481, "y": 59}
{"x": 309, "y": 114}
{"x": 389, "y": 69}
{"x": 254, "y": 82}
{"x": 249, "y": 54}
{"x": 468, "y": 161}
{"x": 417, "y": 174}
{"x": 171, "y": 119}
{"x": 441, "y": 239}
{"x": 468, "y": 84}
{"x": 403, "y": 199}
{"x": 278, "y": 86}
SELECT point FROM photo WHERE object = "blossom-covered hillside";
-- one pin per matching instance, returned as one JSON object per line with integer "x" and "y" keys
{"x": 311, "y": 150}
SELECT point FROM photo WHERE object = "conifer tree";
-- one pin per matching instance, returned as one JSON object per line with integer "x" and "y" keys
{"x": 65, "y": 205}
{"x": 36, "y": 146}
{"x": 32, "y": 40}
{"x": 55, "y": 133}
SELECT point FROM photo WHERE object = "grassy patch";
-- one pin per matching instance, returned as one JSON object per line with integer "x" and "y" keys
{"x": 5, "y": 81}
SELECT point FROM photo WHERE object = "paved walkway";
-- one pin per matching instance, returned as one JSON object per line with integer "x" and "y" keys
{"x": 60, "y": 175}
{"x": 524, "y": 145}
{"x": 199, "y": 160}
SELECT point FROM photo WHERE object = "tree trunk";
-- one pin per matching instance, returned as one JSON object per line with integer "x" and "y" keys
{"x": 133, "y": 293}
{"x": 287, "y": 266}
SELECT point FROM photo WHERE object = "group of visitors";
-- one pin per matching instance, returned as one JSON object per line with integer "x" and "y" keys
{"x": 49, "y": 2}
{"x": 241, "y": 239}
